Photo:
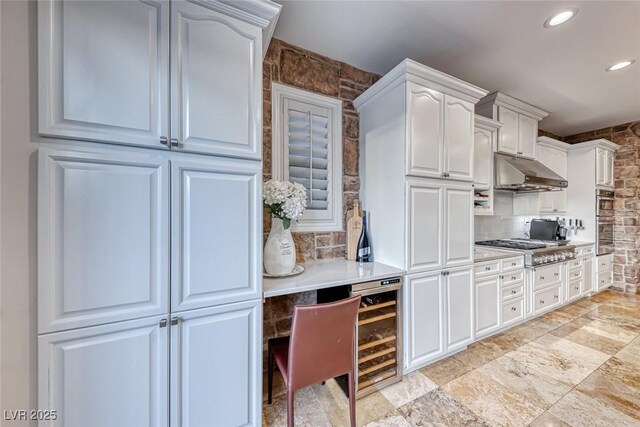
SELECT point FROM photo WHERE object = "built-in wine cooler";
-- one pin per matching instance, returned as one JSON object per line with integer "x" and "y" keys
{"x": 378, "y": 333}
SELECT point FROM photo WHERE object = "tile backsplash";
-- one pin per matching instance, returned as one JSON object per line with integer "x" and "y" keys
{"x": 502, "y": 224}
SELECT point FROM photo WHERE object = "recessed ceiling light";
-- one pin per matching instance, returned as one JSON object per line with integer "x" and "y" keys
{"x": 620, "y": 65}
{"x": 560, "y": 18}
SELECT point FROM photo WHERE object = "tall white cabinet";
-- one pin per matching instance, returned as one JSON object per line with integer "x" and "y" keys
{"x": 417, "y": 166}
{"x": 149, "y": 263}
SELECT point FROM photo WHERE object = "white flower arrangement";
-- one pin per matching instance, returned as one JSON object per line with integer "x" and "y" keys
{"x": 285, "y": 200}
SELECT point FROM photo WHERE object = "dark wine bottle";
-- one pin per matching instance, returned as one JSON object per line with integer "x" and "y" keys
{"x": 364, "y": 245}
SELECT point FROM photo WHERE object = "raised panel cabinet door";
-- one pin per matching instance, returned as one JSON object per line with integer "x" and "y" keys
{"x": 508, "y": 132}
{"x": 487, "y": 305}
{"x": 527, "y": 136}
{"x": 424, "y": 324}
{"x": 103, "y": 237}
{"x": 458, "y": 139}
{"x": 601, "y": 167}
{"x": 425, "y": 224}
{"x": 425, "y": 131}
{"x": 483, "y": 158}
{"x": 609, "y": 168}
{"x": 216, "y": 231}
{"x": 587, "y": 275}
{"x": 458, "y": 211}
{"x": 103, "y": 70}
{"x": 216, "y": 359}
{"x": 105, "y": 376}
{"x": 216, "y": 82}
{"x": 458, "y": 288}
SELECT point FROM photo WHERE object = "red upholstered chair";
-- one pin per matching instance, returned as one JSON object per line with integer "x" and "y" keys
{"x": 321, "y": 347}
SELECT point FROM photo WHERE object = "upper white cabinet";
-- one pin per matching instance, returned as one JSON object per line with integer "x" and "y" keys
{"x": 216, "y": 233}
{"x": 458, "y": 139}
{"x": 440, "y": 221}
{"x": 104, "y": 73}
{"x": 553, "y": 154}
{"x": 103, "y": 237}
{"x": 604, "y": 167}
{"x": 519, "y": 131}
{"x": 484, "y": 144}
{"x": 104, "y": 70}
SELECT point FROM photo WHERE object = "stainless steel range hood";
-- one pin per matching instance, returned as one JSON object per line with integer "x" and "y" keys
{"x": 524, "y": 175}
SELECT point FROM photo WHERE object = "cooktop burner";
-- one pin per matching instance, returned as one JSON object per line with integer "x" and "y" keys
{"x": 513, "y": 244}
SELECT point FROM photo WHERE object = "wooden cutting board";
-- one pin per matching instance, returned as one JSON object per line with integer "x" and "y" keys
{"x": 354, "y": 229}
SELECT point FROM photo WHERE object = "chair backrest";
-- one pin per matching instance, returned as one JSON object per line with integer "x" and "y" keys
{"x": 322, "y": 342}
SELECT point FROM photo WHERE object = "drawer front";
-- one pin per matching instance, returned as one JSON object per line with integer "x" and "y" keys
{"x": 575, "y": 264}
{"x": 512, "y": 311}
{"x": 512, "y": 263}
{"x": 605, "y": 263}
{"x": 574, "y": 288}
{"x": 605, "y": 279}
{"x": 546, "y": 299}
{"x": 487, "y": 268}
{"x": 513, "y": 291}
{"x": 547, "y": 275}
{"x": 586, "y": 251}
{"x": 511, "y": 278}
{"x": 575, "y": 274}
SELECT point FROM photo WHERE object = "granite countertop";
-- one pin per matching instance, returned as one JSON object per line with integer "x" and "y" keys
{"x": 483, "y": 253}
{"x": 581, "y": 243}
{"x": 326, "y": 274}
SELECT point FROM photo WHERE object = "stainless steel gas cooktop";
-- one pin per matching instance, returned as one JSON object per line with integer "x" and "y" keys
{"x": 536, "y": 252}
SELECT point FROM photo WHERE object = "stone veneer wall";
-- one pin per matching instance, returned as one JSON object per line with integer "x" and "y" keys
{"x": 627, "y": 200}
{"x": 294, "y": 66}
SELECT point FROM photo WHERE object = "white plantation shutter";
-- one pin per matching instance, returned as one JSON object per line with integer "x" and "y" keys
{"x": 307, "y": 149}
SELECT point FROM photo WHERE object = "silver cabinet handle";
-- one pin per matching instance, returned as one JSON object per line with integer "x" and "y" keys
{"x": 175, "y": 321}
{"x": 163, "y": 140}
{"x": 541, "y": 301}
{"x": 487, "y": 268}
{"x": 163, "y": 323}
{"x": 555, "y": 296}
{"x": 175, "y": 142}
{"x": 513, "y": 309}
{"x": 514, "y": 292}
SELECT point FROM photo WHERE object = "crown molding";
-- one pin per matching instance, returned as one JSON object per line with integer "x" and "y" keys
{"x": 501, "y": 99}
{"x": 601, "y": 142}
{"x": 550, "y": 142}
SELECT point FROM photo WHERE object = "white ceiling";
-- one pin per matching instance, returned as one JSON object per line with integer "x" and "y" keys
{"x": 496, "y": 45}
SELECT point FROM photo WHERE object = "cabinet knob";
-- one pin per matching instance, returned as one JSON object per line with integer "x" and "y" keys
{"x": 513, "y": 277}
{"x": 541, "y": 277}
{"x": 514, "y": 292}
{"x": 541, "y": 301}
{"x": 556, "y": 296}
{"x": 487, "y": 268}
{"x": 513, "y": 309}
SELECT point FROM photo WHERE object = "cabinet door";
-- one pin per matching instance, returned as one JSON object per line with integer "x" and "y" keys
{"x": 216, "y": 83}
{"x": 609, "y": 168}
{"x": 425, "y": 224}
{"x": 487, "y": 305}
{"x": 483, "y": 158}
{"x": 424, "y": 323}
{"x": 104, "y": 70}
{"x": 216, "y": 355}
{"x": 425, "y": 133}
{"x": 458, "y": 138}
{"x": 216, "y": 229}
{"x": 103, "y": 237}
{"x": 458, "y": 225}
{"x": 458, "y": 288}
{"x": 527, "y": 136}
{"x": 601, "y": 167}
{"x": 587, "y": 275}
{"x": 104, "y": 376}
{"x": 508, "y": 132}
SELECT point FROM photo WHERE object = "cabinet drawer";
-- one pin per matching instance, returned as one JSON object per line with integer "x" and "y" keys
{"x": 586, "y": 251}
{"x": 512, "y": 263}
{"x": 487, "y": 268}
{"x": 547, "y": 275}
{"x": 510, "y": 278}
{"x": 605, "y": 263}
{"x": 513, "y": 291}
{"x": 574, "y": 288}
{"x": 546, "y": 299}
{"x": 605, "y": 279}
{"x": 575, "y": 264}
{"x": 512, "y": 311}
{"x": 575, "y": 274}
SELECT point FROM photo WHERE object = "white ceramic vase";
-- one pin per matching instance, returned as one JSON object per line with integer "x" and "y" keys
{"x": 279, "y": 251}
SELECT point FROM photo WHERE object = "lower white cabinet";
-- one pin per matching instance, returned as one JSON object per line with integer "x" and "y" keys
{"x": 487, "y": 305}
{"x": 604, "y": 271}
{"x": 121, "y": 374}
{"x": 587, "y": 268}
{"x": 439, "y": 314}
{"x": 105, "y": 376}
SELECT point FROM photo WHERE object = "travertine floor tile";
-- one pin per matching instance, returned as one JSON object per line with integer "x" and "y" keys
{"x": 579, "y": 410}
{"x": 437, "y": 408}
{"x": 410, "y": 388}
{"x": 307, "y": 411}
{"x": 548, "y": 420}
{"x": 589, "y": 339}
{"x": 445, "y": 370}
{"x": 392, "y": 419}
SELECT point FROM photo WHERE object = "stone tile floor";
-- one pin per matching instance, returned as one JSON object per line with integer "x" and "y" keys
{"x": 576, "y": 366}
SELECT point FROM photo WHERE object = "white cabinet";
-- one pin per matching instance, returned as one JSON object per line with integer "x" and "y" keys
{"x": 604, "y": 167}
{"x": 519, "y": 131}
{"x": 487, "y": 305}
{"x": 216, "y": 355}
{"x": 162, "y": 74}
{"x": 604, "y": 271}
{"x": 587, "y": 272}
{"x": 440, "y": 224}
{"x": 458, "y": 289}
{"x": 104, "y": 70}
{"x": 439, "y": 134}
{"x": 108, "y": 375}
{"x": 216, "y": 82}
{"x": 103, "y": 237}
{"x": 424, "y": 336}
{"x": 554, "y": 157}
{"x": 483, "y": 158}
{"x": 216, "y": 233}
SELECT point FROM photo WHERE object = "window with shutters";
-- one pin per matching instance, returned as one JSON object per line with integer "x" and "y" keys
{"x": 307, "y": 148}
